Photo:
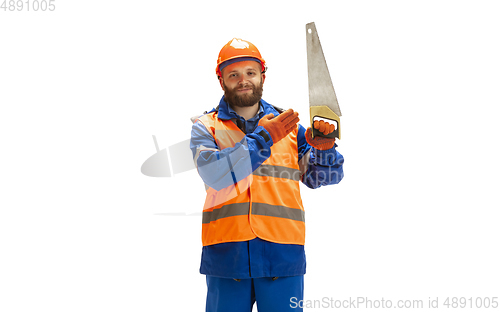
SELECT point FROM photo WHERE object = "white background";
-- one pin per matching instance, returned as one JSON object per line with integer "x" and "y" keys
{"x": 84, "y": 88}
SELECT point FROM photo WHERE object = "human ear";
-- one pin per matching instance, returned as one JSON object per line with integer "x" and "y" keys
{"x": 221, "y": 81}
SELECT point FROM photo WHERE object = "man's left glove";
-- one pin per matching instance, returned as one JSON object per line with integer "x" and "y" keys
{"x": 318, "y": 142}
{"x": 281, "y": 125}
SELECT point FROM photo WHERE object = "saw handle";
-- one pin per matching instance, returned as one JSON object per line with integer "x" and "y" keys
{"x": 326, "y": 113}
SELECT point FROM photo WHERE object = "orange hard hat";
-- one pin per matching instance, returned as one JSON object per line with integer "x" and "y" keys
{"x": 237, "y": 50}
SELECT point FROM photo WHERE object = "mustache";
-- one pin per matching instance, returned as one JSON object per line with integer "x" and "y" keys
{"x": 248, "y": 85}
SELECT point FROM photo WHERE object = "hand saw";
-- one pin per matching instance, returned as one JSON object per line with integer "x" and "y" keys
{"x": 322, "y": 99}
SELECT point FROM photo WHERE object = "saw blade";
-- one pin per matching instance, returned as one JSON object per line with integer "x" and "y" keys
{"x": 321, "y": 91}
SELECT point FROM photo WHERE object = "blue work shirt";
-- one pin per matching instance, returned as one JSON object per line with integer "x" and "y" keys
{"x": 257, "y": 257}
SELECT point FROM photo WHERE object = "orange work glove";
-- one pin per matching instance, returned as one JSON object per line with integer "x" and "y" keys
{"x": 318, "y": 142}
{"x": 281, "y": 125}
{"x": 324, "y": 127}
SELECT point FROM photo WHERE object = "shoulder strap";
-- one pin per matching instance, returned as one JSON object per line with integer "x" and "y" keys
{"x": 280, "y": 110}
{"x": 213, "y": 110}
{"x": 194, "y": 119}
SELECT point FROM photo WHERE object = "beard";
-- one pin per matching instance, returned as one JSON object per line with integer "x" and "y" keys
{"x": 243, "y": 100}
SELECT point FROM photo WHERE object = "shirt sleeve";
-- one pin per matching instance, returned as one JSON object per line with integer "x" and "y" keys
{"x": 222, "y": 168}
{"x": 322, "y": 167}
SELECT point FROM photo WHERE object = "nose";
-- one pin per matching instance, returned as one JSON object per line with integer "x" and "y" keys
{"x": 243, "y": 80}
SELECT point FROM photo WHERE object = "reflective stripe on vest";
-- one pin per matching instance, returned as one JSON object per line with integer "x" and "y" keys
{"x": 239, "y": 209}
{"x": 278, "y": 172}
{"x": 265, "y": 204}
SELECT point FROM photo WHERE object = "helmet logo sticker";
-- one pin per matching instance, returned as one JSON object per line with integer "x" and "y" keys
{"x": 239, "y": 44}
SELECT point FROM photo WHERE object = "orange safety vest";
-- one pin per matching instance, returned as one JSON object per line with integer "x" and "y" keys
{"x": 265, "y": 204}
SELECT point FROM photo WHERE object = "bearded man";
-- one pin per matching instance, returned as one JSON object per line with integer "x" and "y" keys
{"x": 251, "y": 156}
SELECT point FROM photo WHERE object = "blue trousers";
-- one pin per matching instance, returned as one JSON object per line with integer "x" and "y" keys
{"x": 229, "y": 295}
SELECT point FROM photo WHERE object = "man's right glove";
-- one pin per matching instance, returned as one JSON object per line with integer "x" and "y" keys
{"x": 281, "y": 125}
{"x": 318, "y": 142}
